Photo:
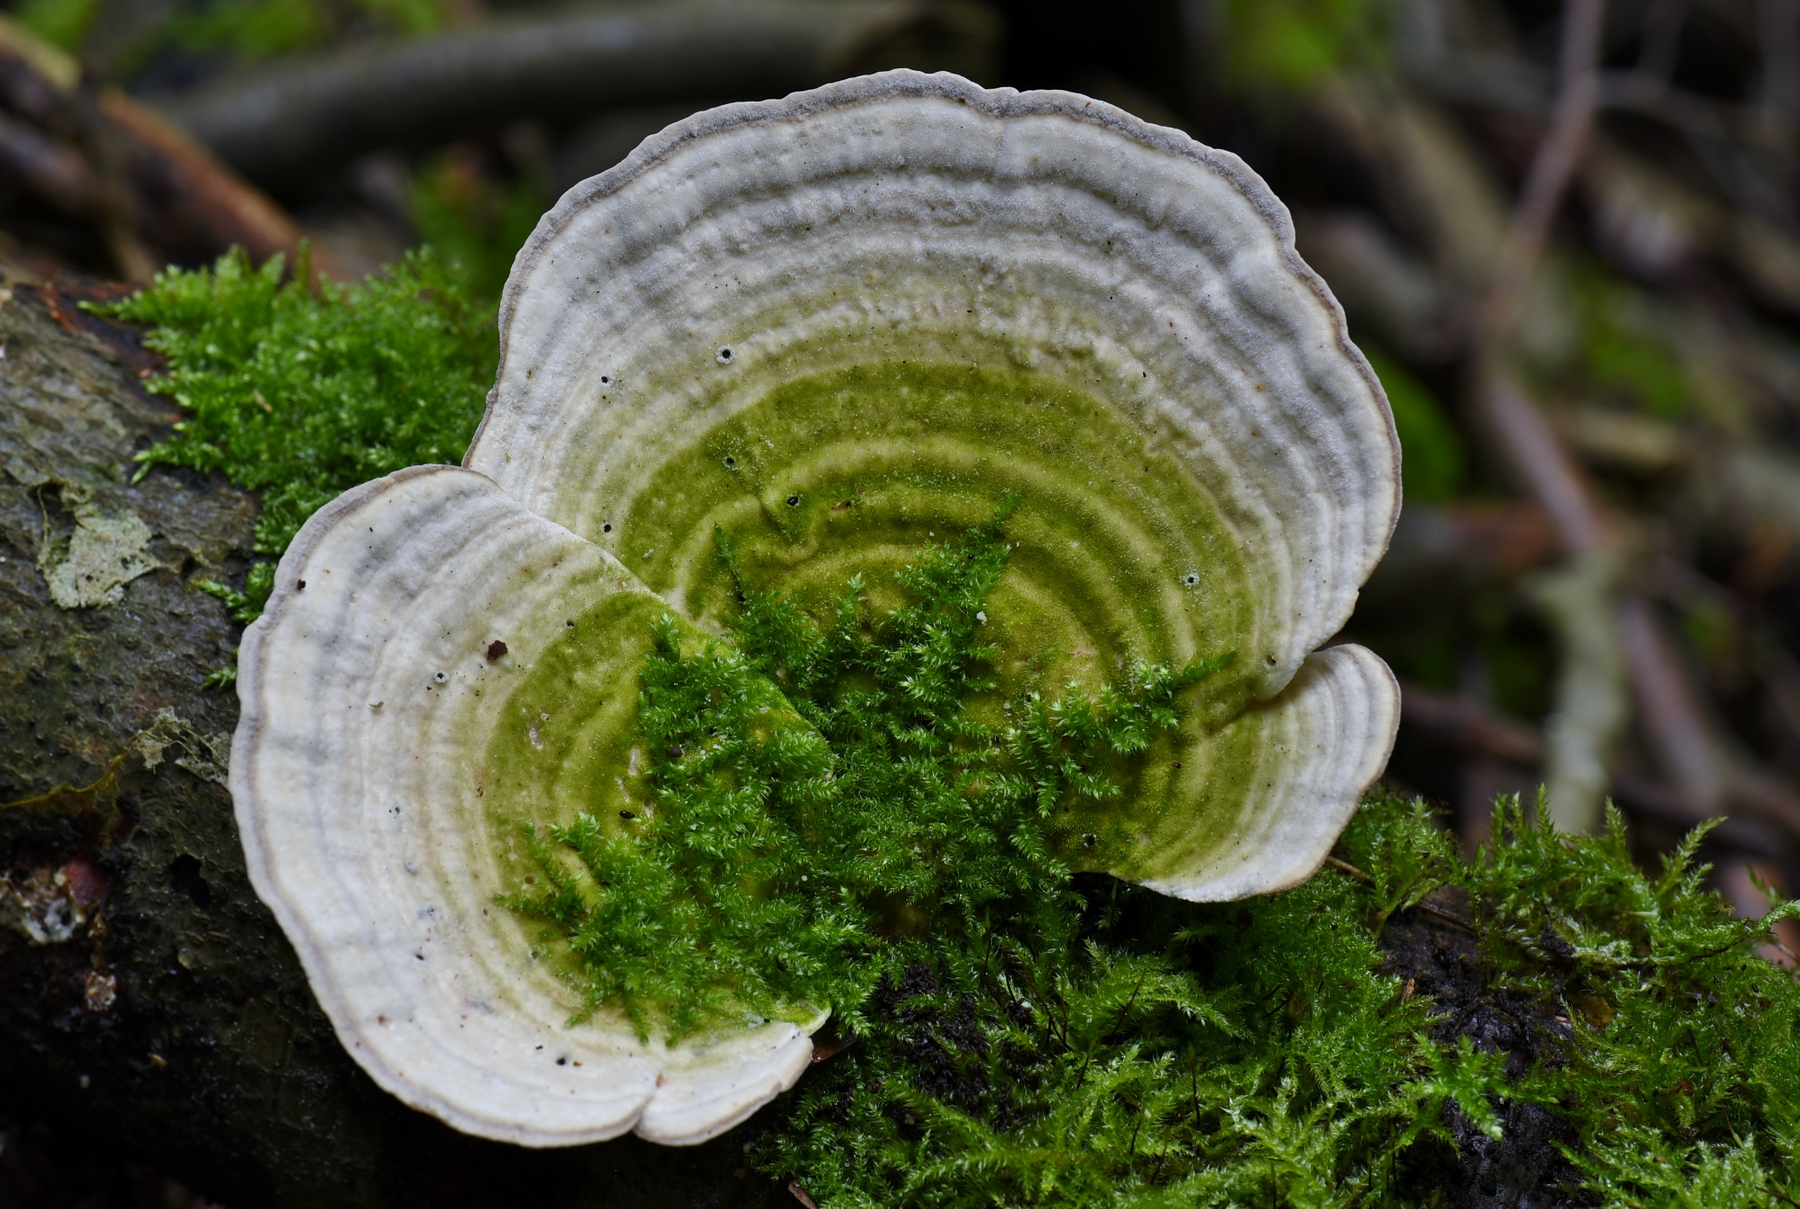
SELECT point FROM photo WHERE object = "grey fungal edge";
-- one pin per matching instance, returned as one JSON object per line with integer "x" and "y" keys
{"x": 682, "y": 1095}
{"x": 995, "y": 102}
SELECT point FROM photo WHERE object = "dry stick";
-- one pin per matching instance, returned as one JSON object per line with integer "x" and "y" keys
{"x": 119, "y": 211}
{"x": 1571, "y": 120}
{"x": 1473, "y": 727}
{"x": 1346, "y": 867}
{"x": 1669, "y": 707}
{"x": 54, "y": 171}
{"x": 141, "y": 179}
{"x": 1591, "y": 699}
{"x": 207, "y": 196}
{"x": 1466, "y": 723}
{"x": 1541, "y": 463}
{"x": 284, "y": 121}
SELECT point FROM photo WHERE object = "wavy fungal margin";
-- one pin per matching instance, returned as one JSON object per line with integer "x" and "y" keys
{"x": 841, "y": 324}
{"x": 902, "y": 218}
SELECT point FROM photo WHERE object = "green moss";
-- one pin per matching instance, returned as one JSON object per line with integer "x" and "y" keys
{"x": 887, "y": 837}
{"x": 302, "y": 393}
{"x": 1163, "y": 1053}
{"x": 1683, "y": 1040}
{"x": 777, "y": 845}
{"x": 1025, "y": 1034}
{"x": 1145, "y": 1052}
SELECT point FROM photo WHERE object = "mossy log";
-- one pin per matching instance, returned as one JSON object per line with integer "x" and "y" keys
{"x": 147, "y": 998}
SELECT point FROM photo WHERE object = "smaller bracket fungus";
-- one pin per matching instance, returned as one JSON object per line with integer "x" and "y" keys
{"x": 836, "y": 328}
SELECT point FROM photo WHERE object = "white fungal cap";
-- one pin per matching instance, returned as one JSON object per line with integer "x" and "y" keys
{"x": 915, "y": 294}
{"x": 836, "y": 326}
{"x": 364, "y": 752}
{"x": 921, "y": 219}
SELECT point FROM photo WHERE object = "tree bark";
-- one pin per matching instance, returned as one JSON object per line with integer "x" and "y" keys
{"x": 148, "y": 1001}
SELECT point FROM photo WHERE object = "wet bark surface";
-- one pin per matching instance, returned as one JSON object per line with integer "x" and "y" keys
{"x": 1525, "y": 1167}
{"x": 149, "y": 1004}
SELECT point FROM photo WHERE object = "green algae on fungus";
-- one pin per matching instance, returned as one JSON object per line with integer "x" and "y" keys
{"x": 776, "y": 845}
{"x": 843, "y": 327}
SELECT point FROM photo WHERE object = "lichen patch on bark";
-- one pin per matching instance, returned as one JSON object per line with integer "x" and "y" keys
{"x": 90, "y": 567}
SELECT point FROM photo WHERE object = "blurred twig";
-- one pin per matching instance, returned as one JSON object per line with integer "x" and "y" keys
{"x": 1554, "y": 165}
{"x": 1474, "y": 729}
{"x": 1591, "y": 702}
{"x": 150, "y": 190}
{"x": 187, "y": 185}
{"x": 54, "y": 171}
{"x": 280, "y": 122}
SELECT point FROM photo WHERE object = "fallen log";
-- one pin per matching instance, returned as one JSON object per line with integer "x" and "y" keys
{"x": 148, "y": 1000}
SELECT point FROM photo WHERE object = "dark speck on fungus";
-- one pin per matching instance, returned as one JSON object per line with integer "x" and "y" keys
{"x": 496, "y": 650}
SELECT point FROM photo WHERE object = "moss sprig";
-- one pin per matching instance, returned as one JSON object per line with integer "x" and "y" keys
{"x": 1268, "y": 1052}
{"x": 820, "y": 792}
{"x": 301, "y": 389}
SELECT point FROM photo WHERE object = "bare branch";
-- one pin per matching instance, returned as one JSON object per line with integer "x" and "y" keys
{"x": 114, "y": 163}
{"x": 1466, "y": 724}
{"x": 278, "y": 123}
{"x": 54, "y": 171}
{"x": 1592, "y": 708}
{"x": 209, "y": 203}
{"x": 1570, "y": 121}
{"x": 1540, "y": 463}
{"x": 1476, "y": 730}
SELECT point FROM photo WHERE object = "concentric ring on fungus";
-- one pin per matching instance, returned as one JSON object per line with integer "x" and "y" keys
{"x": 836, "y": 325}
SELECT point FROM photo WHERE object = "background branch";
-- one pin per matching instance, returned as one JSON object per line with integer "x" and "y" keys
{"x": 277, "y": 124}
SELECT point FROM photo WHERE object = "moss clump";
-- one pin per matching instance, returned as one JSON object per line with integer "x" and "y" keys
{"x": 787, "y": 847}
{"x": 1148, "y": 1051}
{"x": 1681, "y": 1066}
{"x": 301, "y": 391}
{"x": 1268, "y": 1052}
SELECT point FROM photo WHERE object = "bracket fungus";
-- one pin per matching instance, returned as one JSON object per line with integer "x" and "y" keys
{"x": 833, "y": 327}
